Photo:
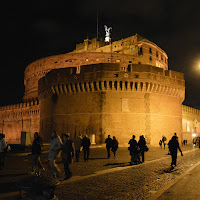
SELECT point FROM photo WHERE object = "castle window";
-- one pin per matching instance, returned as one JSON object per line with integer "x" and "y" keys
{"x": 140, "y": 51}
{"x": 115, "y": 75}
{"x": 161, "y": 57}
{"x": 129, "y": 68}
{"x": 156, "y": 54}
{"x": 136, "y": 76}
{"x": 150, "y": 51}
{"x": 125, "y": 104}
{"x": 56, "y": 61}
{"x": 150, "y": 58}
{"x": 188, "y": 126}
{"x": 86, "y": 59}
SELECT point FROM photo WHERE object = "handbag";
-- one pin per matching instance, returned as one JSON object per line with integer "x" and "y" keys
{"x": 146, "y": 148}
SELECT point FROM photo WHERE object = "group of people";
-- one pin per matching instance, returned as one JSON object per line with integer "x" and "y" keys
{"x": 64, "y": 145}
{"x": 163, "y": 142}
{"x": 111, "y": 144}
{"x": 137, "y": 149}
{"x": 57, "y": 145}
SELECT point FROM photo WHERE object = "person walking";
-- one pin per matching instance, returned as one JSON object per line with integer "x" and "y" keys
{"x": 86, "y": 147}
{"x": 173, "y": 148}
{"x": 108, "y": 142}
{"x": 160, "y": 143}
{"x": 67, "y": 155}
{"x": 142, "y": 146}
{"x": 78, "y": 145}
{"x": 3, "y": 147}
{"x": 54, "y": 148}
{"x": 133, "y": 150}
{"x": 36, "y": 153}
{"x": 114, "y": 146}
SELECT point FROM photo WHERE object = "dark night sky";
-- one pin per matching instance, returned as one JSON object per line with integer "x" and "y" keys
{"x": 39, "y": 28}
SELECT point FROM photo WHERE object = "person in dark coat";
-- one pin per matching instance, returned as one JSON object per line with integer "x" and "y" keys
{"x": 108, "y": 142}
{"x": 142, "y": 146}
{"x": 67, "y": 154}
{"x": 133, "y": 150}
{"x": 86, "y": 147}
{"x": 36, "y": 153}
{"x": 3, "y": 146}
{"x": 114, "y": 146}
{"x": 173, "y": 148}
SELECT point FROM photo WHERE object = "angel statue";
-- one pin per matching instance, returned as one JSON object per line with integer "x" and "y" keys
{"x": 107, "y": 37}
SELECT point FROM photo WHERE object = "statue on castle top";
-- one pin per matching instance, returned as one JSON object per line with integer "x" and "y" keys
{"x": 108, "y": 33}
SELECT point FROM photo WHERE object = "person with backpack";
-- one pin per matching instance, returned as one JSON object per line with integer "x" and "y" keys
{"x": 114, "y": 146}
{"x": 36, "y": 153}
{"x": 108, "y": 142}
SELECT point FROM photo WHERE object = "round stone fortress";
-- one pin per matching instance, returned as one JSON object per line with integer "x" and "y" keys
{"x": 119, "y": 88}
{"x": 102, "y": 99}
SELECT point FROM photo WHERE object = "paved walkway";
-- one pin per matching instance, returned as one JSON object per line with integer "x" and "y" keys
{"x": 102, "y": 178}
{"x": 184, "y": 187}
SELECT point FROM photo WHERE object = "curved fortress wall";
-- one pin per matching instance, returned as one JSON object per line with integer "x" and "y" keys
{"x": 103, "y": 100}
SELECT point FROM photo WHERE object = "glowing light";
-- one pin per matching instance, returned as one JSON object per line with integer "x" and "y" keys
{"x": 194, "y": 134}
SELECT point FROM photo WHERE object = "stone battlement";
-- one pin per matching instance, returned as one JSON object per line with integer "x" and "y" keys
{"x": 27, "y": 104}
{"x": 113, "y": 77}
{"x": 190, "y": 110}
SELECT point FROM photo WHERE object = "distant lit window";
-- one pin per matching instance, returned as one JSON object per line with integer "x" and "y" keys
{"x": 188, "y": 126}
{"x": 150, "y": 51}
{"x": 86, "y": 59}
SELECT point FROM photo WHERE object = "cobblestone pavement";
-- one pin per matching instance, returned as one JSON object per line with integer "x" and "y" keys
{"x": 135, "y": 182}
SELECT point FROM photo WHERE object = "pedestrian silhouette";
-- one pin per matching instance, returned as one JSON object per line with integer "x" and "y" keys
{"x": 173, "y": 146}
{"x": 36, "y": 153}
{"x": 160, "y": 143}
{"x": 86, "y": 147}
{"x": 77, "y": 144}
{"x": 67, "y": 154}
{"x": 134, "y": 151}
{"x": 142, "y": 146}
{"x": 108, "y": 142}
{"x": 114, "y": 146}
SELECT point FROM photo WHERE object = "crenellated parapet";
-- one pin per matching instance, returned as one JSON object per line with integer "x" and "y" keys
{"x": 18, "y": 111}
{"x": 113, "y": 78}
{"x": 190, "y": 110}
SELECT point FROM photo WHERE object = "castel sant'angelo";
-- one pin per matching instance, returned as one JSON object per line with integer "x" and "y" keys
{"x": 121, "y": 89}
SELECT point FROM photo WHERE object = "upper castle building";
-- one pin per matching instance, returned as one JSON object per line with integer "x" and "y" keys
{"x": 121, "y": 89}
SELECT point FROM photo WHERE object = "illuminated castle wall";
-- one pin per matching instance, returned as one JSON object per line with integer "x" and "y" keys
{"x": 134, "y": 56}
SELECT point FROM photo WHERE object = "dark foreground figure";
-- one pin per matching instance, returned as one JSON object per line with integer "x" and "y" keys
{"x": 67, "y": 155}
{"x": 36, "y": 153}
{"x": 142, "y": 146}
{"x": 134, "y": 151}
{"x": 173, "y": 148}
{"x": 86, "y": 147}
{"x": 108, "y": 142}
{"x": 114, "y": 146}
